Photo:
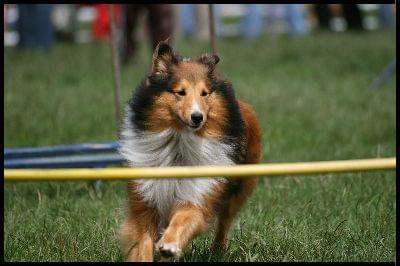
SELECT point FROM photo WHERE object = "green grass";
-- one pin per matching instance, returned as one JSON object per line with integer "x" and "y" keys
{"x": 311, "y": 95}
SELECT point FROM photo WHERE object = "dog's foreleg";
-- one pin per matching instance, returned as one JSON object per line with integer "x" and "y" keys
{"x": 137, "y": 242}
{"x": 186, "y": 222}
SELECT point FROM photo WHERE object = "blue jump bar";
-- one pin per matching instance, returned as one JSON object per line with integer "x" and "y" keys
{"x": 60, "y": 150}
{"x": 83, "y": 161}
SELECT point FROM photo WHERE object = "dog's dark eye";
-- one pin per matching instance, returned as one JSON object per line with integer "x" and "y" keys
{"x": 181, "y": 93}
{"x": 204, "y": 93}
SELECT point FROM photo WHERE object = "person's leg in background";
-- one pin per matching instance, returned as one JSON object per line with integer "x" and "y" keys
{"x": 353, "y": 16}
{"x": 128, "y": 40}
{"x": 217, "y": 18}
{"x": 65, "y": 21}
{"x": 161, "y": 23}
{"x": 5, "y": 17}
{"x": 187, "y": 19}
{"x": 253, "y": 21}
{"x": 324, "y": 16}
{"x": 296, "y": 18}
{"x": 387, "y": 16}
{"x": 35, "y": 27}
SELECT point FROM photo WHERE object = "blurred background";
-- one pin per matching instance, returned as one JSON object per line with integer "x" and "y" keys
{"x": 89, "y": 22}
{"x": 321, "y": 78}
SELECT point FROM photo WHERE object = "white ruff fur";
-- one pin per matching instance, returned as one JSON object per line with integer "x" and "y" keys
{"x": 171, "y": 148}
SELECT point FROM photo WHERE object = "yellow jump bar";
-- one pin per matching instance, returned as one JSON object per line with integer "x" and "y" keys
{"x": 275, "y": 169}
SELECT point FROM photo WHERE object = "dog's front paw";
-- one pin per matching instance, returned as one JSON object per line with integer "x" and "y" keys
{"x": 169, "y": 250}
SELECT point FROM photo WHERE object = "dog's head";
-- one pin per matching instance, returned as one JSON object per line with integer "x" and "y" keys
{"x": 187, "y": 88}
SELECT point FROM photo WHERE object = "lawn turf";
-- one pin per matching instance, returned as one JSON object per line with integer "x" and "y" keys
{"x": 311, "y": 95}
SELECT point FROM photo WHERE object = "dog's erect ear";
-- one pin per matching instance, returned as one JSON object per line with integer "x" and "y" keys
{"x": 163, "y": 58}
{"x": 209, "y": 60}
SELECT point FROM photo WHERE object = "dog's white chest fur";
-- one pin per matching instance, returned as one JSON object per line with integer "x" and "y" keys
{"x": 170, "y": 148}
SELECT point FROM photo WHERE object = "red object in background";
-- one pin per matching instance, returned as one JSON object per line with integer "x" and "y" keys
{"x": 101, "y": 28}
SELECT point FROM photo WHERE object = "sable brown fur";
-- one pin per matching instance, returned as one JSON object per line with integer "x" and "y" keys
{"x": 165, "y": 100}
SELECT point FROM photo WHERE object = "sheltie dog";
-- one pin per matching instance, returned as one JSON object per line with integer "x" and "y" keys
{"x": 184, "y": 114}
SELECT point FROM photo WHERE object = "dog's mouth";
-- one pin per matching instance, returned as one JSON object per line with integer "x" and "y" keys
{"x": 190, "y": 126}
{"x": 195, "y": 127}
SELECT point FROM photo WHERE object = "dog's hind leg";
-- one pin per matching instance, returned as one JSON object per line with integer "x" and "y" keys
{"x": 244, "y": 185}
{"x": 229, "y": 211}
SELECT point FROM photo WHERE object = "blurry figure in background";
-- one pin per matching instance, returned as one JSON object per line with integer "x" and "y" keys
{"x": 194, "y": 20}
{"x": 351, "y": 13}
{"x": 160, "y": 21}
{"x": 101, "y": 24}
{"x": 296, "y": 17}
{"x": 35, "y": 27}
{"x": 323, "y": 14}
{"x": 353, "y": 16}
{"x": 187, "y": 15}
{"x": 253, "y": 21}
{"x": 293, "y": 15}
{"x": 387, "y": 16}
{"x": 275, "y": 13}
{"x": 65, "y": 21}
{"x": 5, "y": 16}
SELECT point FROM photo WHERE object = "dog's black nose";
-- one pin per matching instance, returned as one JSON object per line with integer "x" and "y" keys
{"x": 196, "y": 118}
